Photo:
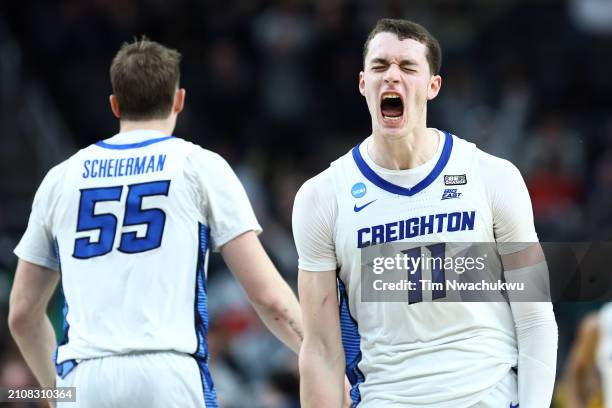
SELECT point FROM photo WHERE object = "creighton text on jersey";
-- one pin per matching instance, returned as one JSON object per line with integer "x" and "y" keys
{"x": 413, "y": 227}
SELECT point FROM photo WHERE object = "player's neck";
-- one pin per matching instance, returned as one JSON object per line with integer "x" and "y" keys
{"x": 403, "y": 152}
{"x": 165, "y": 126}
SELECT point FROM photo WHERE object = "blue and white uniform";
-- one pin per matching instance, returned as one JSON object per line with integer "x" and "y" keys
{"x": 129, "y": 223}
{"x": 424, "y": 354}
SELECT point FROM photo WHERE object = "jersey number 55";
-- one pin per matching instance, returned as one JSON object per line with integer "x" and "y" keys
{"x": 106, "y": 223}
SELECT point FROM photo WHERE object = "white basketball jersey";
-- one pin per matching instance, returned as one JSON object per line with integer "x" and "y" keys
{"x": 132, "y": 220}
{"x": 604, "y": 353}
{"x": 424, "y": 354}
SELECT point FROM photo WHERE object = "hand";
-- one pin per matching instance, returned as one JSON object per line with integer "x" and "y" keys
{"x": 348, "y": 402}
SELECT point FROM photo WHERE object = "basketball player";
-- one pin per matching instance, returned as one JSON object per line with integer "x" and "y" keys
{"x": 589, "y": 367}
{"x": 127, "y": 225}
{"x": 407, "y": 182}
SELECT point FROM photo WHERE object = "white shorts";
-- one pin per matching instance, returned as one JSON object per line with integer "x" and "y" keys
{"x": 151, "y": 380}
{"x": 503, "y": 395}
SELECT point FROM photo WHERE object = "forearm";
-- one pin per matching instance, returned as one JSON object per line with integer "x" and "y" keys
{"x": 270, "y": 295}
{"x": 281, "y": 314}
{"x": 537, "y": 339}
{"x": 321, "y": 378}
{"x": 581, "y": 363}
{"x": 575, "y": 395}
{"x": 36, "y": 341}
{"x": 575, "y": 377}
{"x": 535, "y": 325}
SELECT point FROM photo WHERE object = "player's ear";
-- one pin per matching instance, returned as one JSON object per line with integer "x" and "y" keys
{"x": 361, "y": 83}
{"x": 114, "y": 106}
{"x": 179, "y": 100}
{"x": 435, "y": 83}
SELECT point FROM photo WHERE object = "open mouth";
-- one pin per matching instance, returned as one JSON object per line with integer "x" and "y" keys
{"x": 391, "y": 106}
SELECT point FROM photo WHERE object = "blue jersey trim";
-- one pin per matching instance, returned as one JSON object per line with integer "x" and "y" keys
{"x": 395, "y": 189}
{"x": 201, "y": 320}
{"x": 64, "y": 368}
{"x": 351, "y": 342}
{"x": 132, "y": 145}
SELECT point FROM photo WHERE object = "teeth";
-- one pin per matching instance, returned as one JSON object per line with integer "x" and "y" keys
{"x": 390, "y": 96}
{"x": 393, "y": 118}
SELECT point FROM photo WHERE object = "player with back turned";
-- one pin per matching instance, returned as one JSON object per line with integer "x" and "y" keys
{"x": 127, "y": 225}
{"x": 410, "y": 183}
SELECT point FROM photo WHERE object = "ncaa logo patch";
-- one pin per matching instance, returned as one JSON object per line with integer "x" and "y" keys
{"x": 358, "y": 190}
{"x": 450, "y": 193}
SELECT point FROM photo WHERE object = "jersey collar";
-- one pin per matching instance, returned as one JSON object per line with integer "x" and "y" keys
{"x": 133, "y": 139}
{"x": 374, "y": 178}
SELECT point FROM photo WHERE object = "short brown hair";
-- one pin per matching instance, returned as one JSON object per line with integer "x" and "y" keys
{"x": 145, "y": 76}
{"x": 409, "y": 29}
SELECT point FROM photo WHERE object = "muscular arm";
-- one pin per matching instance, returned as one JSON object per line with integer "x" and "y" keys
{"x": 322, "y": 356}
{"x": 322, "y": 362}
{"x": 581, "y": 362}
{"x": 272, "y": 298}
{"x": 28, "y": 320}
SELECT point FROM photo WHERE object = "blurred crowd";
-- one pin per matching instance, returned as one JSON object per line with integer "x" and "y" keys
{"x": 272, "y": 87}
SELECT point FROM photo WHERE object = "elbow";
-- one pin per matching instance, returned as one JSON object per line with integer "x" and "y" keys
{"x": 20, "y": 318}
{"x": 273, "y": 296}
{"x": 321, "y": 353}
{"x": 17, "y": 321}
{"x": 269, "y": 303}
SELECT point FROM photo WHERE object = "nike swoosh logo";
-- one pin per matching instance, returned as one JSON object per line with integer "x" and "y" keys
{"x": 357, "y": 209}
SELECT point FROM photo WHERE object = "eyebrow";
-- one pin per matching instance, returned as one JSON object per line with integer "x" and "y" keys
{"x": 384, "y": 61}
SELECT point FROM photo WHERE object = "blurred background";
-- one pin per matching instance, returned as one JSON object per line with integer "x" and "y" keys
{"x": 272, "y": 87}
